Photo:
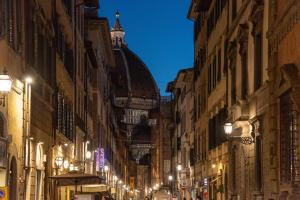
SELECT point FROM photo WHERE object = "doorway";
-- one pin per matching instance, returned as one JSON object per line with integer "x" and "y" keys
{"x": 12, "y": 182}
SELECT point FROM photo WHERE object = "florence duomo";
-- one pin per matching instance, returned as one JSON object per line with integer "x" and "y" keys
{"x": 149, "y": 100}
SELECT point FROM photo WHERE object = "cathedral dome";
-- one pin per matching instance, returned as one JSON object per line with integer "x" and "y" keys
{"x": 131, "y": 76}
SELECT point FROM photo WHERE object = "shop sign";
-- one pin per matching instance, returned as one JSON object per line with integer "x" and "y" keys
{"x": 100, "y": 159}
{"x": 3, "y": 193}
{"x": 3, "y": 153}
{"x": 205, "y": 182}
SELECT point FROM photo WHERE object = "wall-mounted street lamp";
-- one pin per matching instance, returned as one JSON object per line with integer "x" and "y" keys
{"x": 228, "y": 128}
{"x": 5, "y": 83}
{"x": 5, "y": 86}
{"x": 170, "y": 177}
{"x": 106, "y": 168}
{"x": 59, "y": 161}
{"x": 28, "y": 80}
{"x": 66, "y": 164}
{"x": 179, "y": 167}
{"x": 115, "y": 178}
{"x": 88, "y": 155}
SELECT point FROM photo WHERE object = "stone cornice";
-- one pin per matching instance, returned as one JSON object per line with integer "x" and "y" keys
{"x": 236, "y": 21}
{"x": 283, "y": 24}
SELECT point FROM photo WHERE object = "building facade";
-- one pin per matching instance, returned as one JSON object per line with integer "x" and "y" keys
{"x": 57, "y": 118}
{"x": 231, "y": 83}
{"x": 283, "y": 35}
{"x": 183, "y": 137}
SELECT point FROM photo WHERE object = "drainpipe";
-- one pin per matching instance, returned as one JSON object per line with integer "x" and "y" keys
{"x": 26, "y": 134}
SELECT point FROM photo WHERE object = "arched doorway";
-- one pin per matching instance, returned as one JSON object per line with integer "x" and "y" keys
{"x": 13, "y": 179}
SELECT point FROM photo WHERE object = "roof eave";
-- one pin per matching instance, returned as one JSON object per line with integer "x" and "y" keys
{"x": 191, "y": 14}
{"x": 179, "y": 74}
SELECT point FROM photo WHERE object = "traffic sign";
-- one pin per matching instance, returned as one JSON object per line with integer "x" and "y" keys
{"x": 3, "y": 193}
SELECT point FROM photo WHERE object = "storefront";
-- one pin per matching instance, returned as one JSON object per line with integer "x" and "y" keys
{"x": 75, "y": 183}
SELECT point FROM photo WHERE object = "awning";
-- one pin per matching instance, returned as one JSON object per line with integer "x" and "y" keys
{"x": 76, "y": 178}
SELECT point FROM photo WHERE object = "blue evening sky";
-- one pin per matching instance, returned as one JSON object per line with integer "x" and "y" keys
{"x": 158, "y": 32}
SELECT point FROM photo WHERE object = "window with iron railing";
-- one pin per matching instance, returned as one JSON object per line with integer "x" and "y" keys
{"x": 64, "y": 117}
{"x": 289, "y": 159}
{"x": 10, "y": 19}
